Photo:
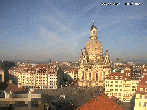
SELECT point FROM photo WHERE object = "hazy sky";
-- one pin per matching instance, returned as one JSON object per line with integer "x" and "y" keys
{"x": 58, "y": 29}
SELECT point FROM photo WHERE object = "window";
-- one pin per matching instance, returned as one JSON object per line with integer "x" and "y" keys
{"x": 116, "y": 85}
{"x": 120, "y": 85}
{"x": 111, "y": 81}
{"x": 146, "y": 97}
{"x": 83, "y": 75}
{"x": 120, "y": 89}
{"x": 141, "y": 89}
{"x": 93, "y": 32}
{"x": 140, "y": 104}
{"x": 140, "y": 96}
{"x": 116, "y": 81}
{"x": 89, "y": 76}
{"x": 145, "y": 104}
{"x": 111, "y": 89}
{"x": 145, "y": 89}
{"x": 97, "y": 77}
{"x": 116, "y": 89}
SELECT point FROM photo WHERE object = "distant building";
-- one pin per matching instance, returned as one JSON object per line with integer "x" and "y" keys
{"x": 118, "y": 61}
{"x": 136, "y": 74}
{"x": 144, "y": 71}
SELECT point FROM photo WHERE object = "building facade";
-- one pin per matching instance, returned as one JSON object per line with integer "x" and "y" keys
{"x": 141, "y": 95}
{"x": 92, "y": 62}
{"x": 41, "y": 76}
{"x": 121, "y": 85}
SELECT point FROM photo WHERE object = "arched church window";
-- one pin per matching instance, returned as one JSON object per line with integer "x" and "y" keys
{"x": 93, "y": 32}
{"x": 89, "y": 76}
{"x": 97, "y": 76}
{"x": 82, "y": 74}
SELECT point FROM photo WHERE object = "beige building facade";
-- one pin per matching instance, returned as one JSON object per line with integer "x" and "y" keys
{"x": 120, "y": 86}
{"x": 41, "y": 76}
{"x": 93, "y": 66}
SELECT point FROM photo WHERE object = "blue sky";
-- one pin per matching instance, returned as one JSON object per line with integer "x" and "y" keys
{"x": 58, "y": 29}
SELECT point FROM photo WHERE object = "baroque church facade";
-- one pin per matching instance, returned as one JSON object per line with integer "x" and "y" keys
{"x": 93, "y": 65}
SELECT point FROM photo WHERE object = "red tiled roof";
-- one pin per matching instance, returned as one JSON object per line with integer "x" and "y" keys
{"x": 14, "y": 88}
{"x": 41, "y": 66}
{"x": 142, "y": 84}
{"x": 102, "y": 102}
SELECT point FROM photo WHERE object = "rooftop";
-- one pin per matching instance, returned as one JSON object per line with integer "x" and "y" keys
{"x": 102, "y": 102}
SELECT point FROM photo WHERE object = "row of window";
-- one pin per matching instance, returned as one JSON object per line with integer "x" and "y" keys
{"x": 115, "y": 89}
{"x": 113, "y": 81}
{"x": 145, "y": 97}
{"x": 40, "y": 83}
{"x": 144, "y": 104}
{"x": 144, "y": 73}
{"x": 141, "y": 89}
{"x": 113, "y": 94}
{"x": 112, "y": 85}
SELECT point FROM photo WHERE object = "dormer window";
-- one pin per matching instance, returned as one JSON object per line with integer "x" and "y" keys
{"x": 141, "y": 89}
{"x": 145, "y": 89}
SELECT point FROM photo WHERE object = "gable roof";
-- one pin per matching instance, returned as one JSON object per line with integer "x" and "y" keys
{"x": 142, "y": 84}
{"x": 102, "y": 102}
{"x": 11, "y": 87}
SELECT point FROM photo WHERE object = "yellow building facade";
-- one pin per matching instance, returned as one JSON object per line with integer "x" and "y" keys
{"x": 118, "y": 85}
{"x": 141, "y": 95}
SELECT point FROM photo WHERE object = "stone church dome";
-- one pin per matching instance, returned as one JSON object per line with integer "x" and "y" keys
{"x": 94, "y": 47}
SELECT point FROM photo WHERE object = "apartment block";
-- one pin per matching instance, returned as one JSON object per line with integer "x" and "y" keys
{"x": 144, "y": 71}
{"x": 121, "y": 86}
{"x": 43, "y": 76}
{"x": 141, "y": 95}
